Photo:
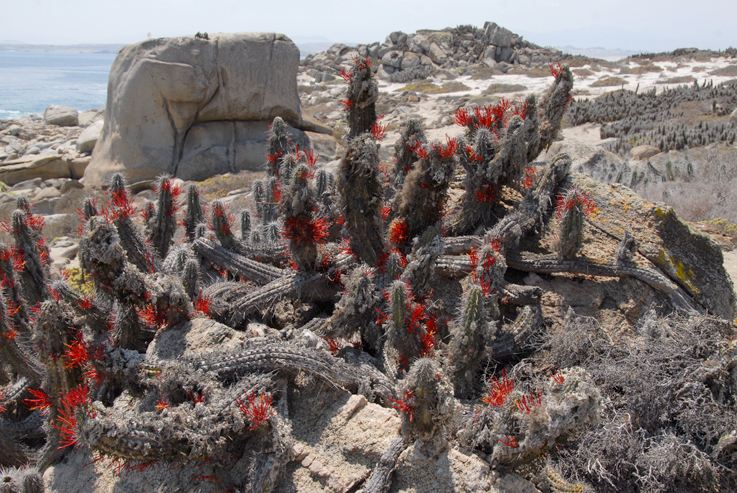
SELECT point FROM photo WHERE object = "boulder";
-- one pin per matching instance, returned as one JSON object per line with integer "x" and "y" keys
{"x": 392, "y": 59}
{"x": 42, "y": 166}
{"x": 498, "y": 36}
{"x": 88, "y": 138}
{"x": 436, "y": 54}
{"x": 184, "y": 105}
{"x": 63, "y": 116}
{"x": 640, "y": 153}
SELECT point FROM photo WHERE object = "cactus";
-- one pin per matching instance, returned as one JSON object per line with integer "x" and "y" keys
{"x": 360, "y": 199}
{"x": 302, "y": 230}
{"x": 355, "y": 312}
{"x": 164, "y": 221}
{"x": 279, "y": 145}
{"x": 122, "y": 210}
{"x": 571, "y": 209}
{"x": 427, "y": 405}
{"x": 190, "y": 279}
{"x": 471, "y": 332}
{"x": 360, "y": 97}
{"x": 30, "y": 247}
{"x": 245, "y": 226}
{"x": 221, "y": 224}
{"x": 420, "y": 203}
{"x": 411, "y": 135}
{"x": 194, "y": 214}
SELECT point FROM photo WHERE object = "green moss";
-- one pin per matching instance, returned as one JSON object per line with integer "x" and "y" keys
{"x": 609, "y": 82}
{"x": 501, "y": 88}
{"x": 426, "y": 87}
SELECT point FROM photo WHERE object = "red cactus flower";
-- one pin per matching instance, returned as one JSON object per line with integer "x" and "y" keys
{"x": 448, "y": 150}
{"x": 305, "y": 231}
{"x": 162, "y": 404}
{"x": 347, "y": 103}
{"x": 486, "y": 193}
{"x": 259, "y": 411}
{"x": 346, "y": 76}
{"x": 521, "y": 109}
{"x": 463, "y": 118}
{"x": 398, "y": 232}
{"x": 85, "y": 303}
{"x": 418, "y": 150}
{"x": 511, "y": 441}
{"x": 558, "y": 377}
{"x": 42, "y": 401}
{"x": 67, "y": 429}
{"x": 76, "y": 354}
{"x": 2, "y": 397}
{"x": 472, "y": 156}
{"x": 333, "y": 344}
{"x": 499, "y": 391}
{"x": 122, "y": 204}
{"x": 555, "y": 70}
{"x": 203, "y": 303}
{"x": 378, "y": 130}
{"x": 402, "y": 404}
{"x": 572, "y": 198}
{"x": 196, "y": 399}
{"x": 427, "y": 339}
{"x": 310, "y": 157}
{"x": 529, "y": 177}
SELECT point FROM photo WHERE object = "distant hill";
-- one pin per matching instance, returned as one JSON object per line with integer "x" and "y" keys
{"x": 81, "y": 48}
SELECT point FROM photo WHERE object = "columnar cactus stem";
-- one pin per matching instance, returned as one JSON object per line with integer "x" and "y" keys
{"x": 360, "y": 97}
{"x": 426, "y": 402}
{"x": 122, "y": 209}
{"x": 245, "y": 226}
{"x": 571, "y": 209}
{"x": 279, "y": 145}
{"x": 360, "y": 198}
{"x": 411, "y": 135}
{"x": 164, "y": 222}
{"x": 221, "y": 224}
{"x": 194, "y": 212}
{"x": 190, "y": 279}
{"x": 553, "y": 105}
{"x": 34, "y": 274}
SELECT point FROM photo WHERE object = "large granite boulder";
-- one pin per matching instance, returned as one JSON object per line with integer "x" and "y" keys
{"x": 193, "y": 107}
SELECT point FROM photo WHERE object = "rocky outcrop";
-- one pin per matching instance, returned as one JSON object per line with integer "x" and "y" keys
{"x": 403, "y": 57}
{"x": 193, "y": 107}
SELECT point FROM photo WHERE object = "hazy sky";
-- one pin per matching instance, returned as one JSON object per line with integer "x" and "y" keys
{"x": 626, "y": 24}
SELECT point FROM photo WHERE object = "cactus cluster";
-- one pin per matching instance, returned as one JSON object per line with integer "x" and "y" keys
{"x": 657, "y": 118}
{"x": 415, "y": 314}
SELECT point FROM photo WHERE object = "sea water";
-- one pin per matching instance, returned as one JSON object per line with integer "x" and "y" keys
{"x": 31, "y": 81}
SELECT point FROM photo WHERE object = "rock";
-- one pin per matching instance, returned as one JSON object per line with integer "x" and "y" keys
{"x": 42, "y": 167}
{"x": 690, "y": 258}
{"x": 640, "y": 153}
{"x": 46, "y": 193}
{"x": 490, "y": 62}
{"x": 63, "y": 116}
{"x": 86, "y": 117}
{"x": 172, "y": 99}
{"x": 12, "y": 130}
{"x": 397, "y": 38}
{"x": 497, "y": 35}
{"x": 410, "y": 60}
{"x": 26, "y": 186}
{"x": 88, "y": 138}
{"x": 392, "y": 59}
{"x": 33, "y": 150}
{"x": 436, "y": 54}
{"x": 733, "y": 116}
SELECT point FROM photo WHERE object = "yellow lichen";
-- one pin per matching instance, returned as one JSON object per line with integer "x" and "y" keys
{"x": 682, "y": 271}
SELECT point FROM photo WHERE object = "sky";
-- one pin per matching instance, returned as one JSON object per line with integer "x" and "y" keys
{"x": 646, "y": 25}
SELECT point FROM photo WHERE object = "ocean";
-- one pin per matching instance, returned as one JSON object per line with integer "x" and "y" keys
{"x": 31, "y": 81}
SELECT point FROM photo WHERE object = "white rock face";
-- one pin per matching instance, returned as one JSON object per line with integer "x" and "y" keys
{"x": 189, "y": 106}
{"x": 64, "y": 116}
